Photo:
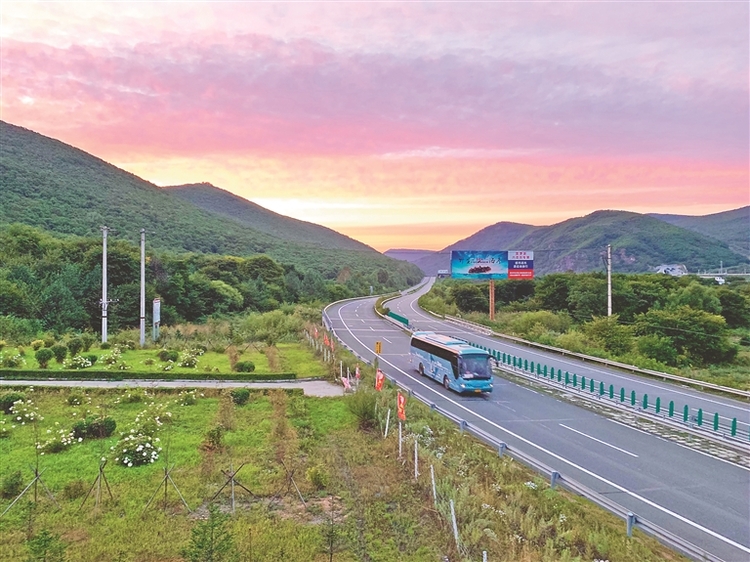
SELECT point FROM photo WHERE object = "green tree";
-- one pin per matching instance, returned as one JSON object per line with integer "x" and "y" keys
{"x": 696, "y": 296}
{"x": 588, "y": 298}
{"x": 211, "y": 540}
{"x": 609, "y": 334}
{"x": 470, "y": 298}
{"x": 735, "y": 308}
{"x": 699, "y": 336}
{"x": 552, "y": 291}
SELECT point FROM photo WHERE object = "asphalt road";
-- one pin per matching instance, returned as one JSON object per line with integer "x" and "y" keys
{"x": 701, "y": 498}
{"x": 681, "y": 395}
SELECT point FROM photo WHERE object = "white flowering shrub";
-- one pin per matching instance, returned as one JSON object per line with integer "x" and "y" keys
{"x": 25, "y": 411}
{"x": 12, "y": 361}
{"x": 136, "y": 449}
{"x": 189, "y": 359}
{"x": 77, "y": 362}
{"x": 57, "y": 442}
{"x": 113, "y": 357}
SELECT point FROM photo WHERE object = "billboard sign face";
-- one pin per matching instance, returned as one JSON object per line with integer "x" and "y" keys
{"x": 483, "y": 265}
{"x": 520, "y": 265}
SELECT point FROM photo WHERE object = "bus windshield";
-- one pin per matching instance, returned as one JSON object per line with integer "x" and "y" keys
{"x": 474, "y": 367}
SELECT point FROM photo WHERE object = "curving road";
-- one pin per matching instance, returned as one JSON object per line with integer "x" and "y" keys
{"x": 698, "y": 497}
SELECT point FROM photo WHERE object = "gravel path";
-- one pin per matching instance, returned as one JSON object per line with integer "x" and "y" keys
{"x": 311, "y": 388}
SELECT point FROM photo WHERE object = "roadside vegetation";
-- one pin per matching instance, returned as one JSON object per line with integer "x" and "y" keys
{"x": 319, "y": 483}
{"x": 689, "y": 326}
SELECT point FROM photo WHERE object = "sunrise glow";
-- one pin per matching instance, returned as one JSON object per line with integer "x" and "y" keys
{"x": 403, "y": 125}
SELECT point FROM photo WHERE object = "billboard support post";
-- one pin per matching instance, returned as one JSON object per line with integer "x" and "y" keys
{"x": 492, "y": 299}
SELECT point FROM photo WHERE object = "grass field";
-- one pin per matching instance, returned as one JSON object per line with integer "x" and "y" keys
{"x": 281, "y": 358}
{"x": 362, "y": 503}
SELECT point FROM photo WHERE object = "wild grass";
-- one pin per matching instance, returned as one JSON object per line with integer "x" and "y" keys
{"x": 363, "y": 504}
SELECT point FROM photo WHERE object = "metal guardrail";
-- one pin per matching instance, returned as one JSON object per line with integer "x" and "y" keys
{"x": 632, "y": 368}
{"x": 632, "y": 520}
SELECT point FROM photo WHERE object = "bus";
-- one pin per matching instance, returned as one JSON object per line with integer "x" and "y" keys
{"x": 453, "y": 362}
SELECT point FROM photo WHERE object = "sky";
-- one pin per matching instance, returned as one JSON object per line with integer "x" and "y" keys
{"x": 400, "y": 124}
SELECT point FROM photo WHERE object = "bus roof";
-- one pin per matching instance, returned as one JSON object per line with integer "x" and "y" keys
{"x": 460, "y": 347}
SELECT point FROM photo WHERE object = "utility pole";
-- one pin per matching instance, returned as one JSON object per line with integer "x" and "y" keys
{"x": 104, "y": 301}
{"x": 492, "y": 299}
{"x": 143, "y": 287}
{"x": 609, "y": 279}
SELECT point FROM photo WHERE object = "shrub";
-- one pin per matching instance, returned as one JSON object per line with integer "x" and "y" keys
{"x": 129, "y": 344}
{"x": 43, "y": 357}
{"x": 105, "y": 345}
{"x": 240, "y": 396}
{"x": 36, "y": 345}
{"x": 75, "y": 345}
{"x": 87, "y": 340}
{"x": 362, "y": 405}
{"x": 58, "y": 443}
{"x": 92, "y": 358}
{"x": 79, "y": 429}
{"x": 59, "y": 351}
{"x": 132, "y": 398}
{"x": 12, "y": 361}
{"x": 74, "y": 489}
{"x": 7, "y": 399}
{"x": 12, "y": 485}
{"x": 244, "y": 367}
{"x": 21, "y": 351}
{"x": 3, "y": 343}
{"x": 189, "y": 360}
{"x": 77, "y": 362}
{"x": 168, "y": 355}
{"x": 100, "y": 428}
{"x": 75, "y": 399}
{"x": 214, "y": 440}
{"x": 136, "y": 450}
{"x": 49, "y": 341}
{"x": 317, "y": 477}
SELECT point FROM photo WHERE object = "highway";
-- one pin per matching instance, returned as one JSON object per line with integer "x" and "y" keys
{"x": 727, "y": 408}
{"x": 703, "y": 499}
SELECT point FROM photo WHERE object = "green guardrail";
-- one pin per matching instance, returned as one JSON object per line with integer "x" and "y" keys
{"x": 536, "y": 368}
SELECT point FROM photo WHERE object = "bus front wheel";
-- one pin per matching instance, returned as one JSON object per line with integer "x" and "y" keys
{"x": 446, "y": 384}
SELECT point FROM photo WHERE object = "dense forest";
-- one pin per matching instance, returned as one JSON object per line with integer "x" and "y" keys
{"x": 54, "y": 284}
{"x": 658, "y": 320}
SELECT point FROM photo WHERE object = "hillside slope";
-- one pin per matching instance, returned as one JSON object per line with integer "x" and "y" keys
{"x": 732, "y": 227}
{"x": 49, "y": 184}
{"x": 639, "y": 244}
{"x": 220, "y": 202}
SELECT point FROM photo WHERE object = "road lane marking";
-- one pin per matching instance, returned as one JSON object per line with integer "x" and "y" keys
{"x": 598, "y": 440}
{"x": 614, "y": 485}
{"x": 595, "y": 369}
{"x": 386, "y": 339}
{"x": 661, "y": 438}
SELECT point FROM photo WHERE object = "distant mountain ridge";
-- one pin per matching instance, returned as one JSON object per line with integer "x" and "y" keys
{"x": 640, "y": 243}
{"x": 62, "y": 189}
{"x": 732, "y": 227}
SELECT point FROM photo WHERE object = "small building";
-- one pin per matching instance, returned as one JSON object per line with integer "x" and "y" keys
{"x": 675, "y": 270}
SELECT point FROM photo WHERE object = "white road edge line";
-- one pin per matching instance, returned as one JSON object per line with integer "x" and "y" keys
{"x": 563, "y": 359}
{"x": 598, "y": 440}
{"x": 563, "y": 459}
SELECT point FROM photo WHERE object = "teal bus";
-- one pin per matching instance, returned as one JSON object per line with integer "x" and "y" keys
{"x": 454, "y": 363}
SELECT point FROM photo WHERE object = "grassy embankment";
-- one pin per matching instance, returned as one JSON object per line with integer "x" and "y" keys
{"x": 361, "y": 502}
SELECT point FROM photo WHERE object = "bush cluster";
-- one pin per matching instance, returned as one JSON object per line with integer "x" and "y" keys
{"x": 7, "y": 399}
{"x": 94, "y": 428}
{"x": 240, "y": 396}
{"x": 244, "y": 367}
{"x": 43, "y": 357}
{"x": 168, "y": 355}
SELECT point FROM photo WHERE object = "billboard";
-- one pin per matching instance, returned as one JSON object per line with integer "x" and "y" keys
{"x": 483, "y": 265}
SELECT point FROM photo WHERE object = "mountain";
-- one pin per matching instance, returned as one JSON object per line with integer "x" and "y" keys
{"x": 220, "y": 202}
{"x": 640, "y": 243}
{"x": 52, "y": 185}
{"x": 732, "y": 227}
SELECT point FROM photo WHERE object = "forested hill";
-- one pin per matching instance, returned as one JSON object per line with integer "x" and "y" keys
{"x": 54, "y": 186}
{"x": 732, "y": 227}
{"x": 639, "y": 244}
{"x": 218, "y": 201}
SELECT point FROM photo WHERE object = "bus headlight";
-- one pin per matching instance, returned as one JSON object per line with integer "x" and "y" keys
{"x": 463, "y": 386}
